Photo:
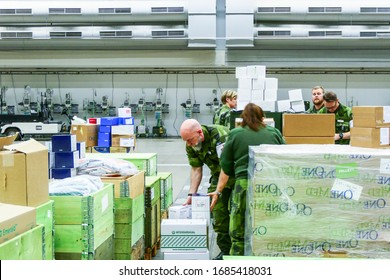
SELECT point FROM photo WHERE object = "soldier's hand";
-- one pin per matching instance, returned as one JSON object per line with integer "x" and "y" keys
{"x": 214, "y": 198}
{"x": 188, "y": 201}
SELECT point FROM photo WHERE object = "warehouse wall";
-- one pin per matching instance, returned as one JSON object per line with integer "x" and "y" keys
{"x": 353, "y": 89}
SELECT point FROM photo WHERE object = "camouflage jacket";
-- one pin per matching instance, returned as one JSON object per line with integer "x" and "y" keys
{"x": 214, "y": 135}
{"x": 343, "y": 117}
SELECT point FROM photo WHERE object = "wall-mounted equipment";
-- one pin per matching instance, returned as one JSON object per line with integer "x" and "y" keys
{"x": 3, "y": 103}
{"x": 159, "y": 129}
{"x": 126, "y": 102}
{"x": 196, "y": 108}
{"x": 187, "y": 108}
{"x": 214, "y": 104}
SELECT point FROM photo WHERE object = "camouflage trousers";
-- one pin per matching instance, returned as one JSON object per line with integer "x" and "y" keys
{"x": 221, "y": 219}
{"x": 237, "y": 217}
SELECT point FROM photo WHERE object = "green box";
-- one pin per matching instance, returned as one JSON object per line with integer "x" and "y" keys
{"x": 152, "y": 224}
{"x": 128, "y": 210}
{"x": 136, "y": 252}
{"x": 152, "y": 190}
{"x": 104, "y": 252}
{"x": 83, "y": 223}
{"x": 29, "y": 245}
{"x": 143, "y": 161}
{"x": 45, "y": 216}
{"x": 131, "y": 231}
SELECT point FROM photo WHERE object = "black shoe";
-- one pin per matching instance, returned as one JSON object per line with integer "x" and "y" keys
{"x": 219, "y": 257}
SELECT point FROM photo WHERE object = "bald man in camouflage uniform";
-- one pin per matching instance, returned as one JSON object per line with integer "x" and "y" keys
{"x": 343, "y": 116}
{"x": 202, "y": 147}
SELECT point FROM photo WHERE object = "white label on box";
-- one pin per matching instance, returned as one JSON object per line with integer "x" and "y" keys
{"x": 386, "y": 114}
{"x": 384, "y": 136}
{"x": 200, "y": 203}
{"x": 104, "y": 203}
{"x": 384, "y": 166}
{"x": 350, "y": 190}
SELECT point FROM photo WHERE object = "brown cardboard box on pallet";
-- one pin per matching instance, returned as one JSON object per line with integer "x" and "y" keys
{"x": 370, "y": 137}
{"x": 371, "y": 116}
{"x": 132, "y": 186}
{"x": 308, "y": 125}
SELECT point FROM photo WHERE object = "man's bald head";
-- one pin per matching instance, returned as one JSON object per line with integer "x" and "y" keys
{"x": 190, "y": 131}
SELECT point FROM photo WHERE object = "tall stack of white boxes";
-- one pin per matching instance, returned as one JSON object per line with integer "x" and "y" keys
{"x": 255, "y": 87}
{"x": 185, "y": 235}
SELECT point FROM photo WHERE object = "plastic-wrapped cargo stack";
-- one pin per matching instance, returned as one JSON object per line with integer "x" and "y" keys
{"x": 318, "y": 201}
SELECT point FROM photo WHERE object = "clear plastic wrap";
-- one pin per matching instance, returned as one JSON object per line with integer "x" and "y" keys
{"x": 318, "y": 201}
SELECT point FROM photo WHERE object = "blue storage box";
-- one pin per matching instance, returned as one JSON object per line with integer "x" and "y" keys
{"x": 129, "y": 120}
{"x": 109, "y": 121}
{"x": 61, "y": 173}
{"x": 66, "y": 159}
{"x": 64, "y": 143}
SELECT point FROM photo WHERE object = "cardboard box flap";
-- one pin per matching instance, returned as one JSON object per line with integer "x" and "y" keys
{"x": 27, "y": 147}
{"x": 7, "y": 140}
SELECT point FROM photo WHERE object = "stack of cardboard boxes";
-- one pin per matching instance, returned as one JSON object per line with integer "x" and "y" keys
{"x": 371, "y": 126}
{"x": 26, "y": 220}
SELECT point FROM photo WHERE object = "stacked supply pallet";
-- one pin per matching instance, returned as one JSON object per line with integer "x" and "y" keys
{"x": 143, "y": 161}
{"x": 84, "y": 225}
{"x": 45, "y": 217}
{"x": 166, "y": 190}
{"x": 20, "y": 237}
{"x": 315, "y": 201}
{"x": 129, "y": 209}
{"x": 152, "y": 216}
{"x": 29, "y": 245}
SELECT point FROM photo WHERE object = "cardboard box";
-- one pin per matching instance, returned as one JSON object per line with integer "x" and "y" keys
{"x": 181, "y": 235}
{"x": 122, "y": 129}
{"x": 309, "y": 140}
{"x": 313, "y": 125}
{"x": 127, "y": 140}
{"x": 371, "y": 116}
{"x": 64, "y": 143}
{"x": 27, "y": 182}
{"x": 370, "y": 137}
{"x": 87, "y": 133}
{"x": 15, "y": 219}
{"x": 179, "y": 212}
{"x": 187, "y": 256}
{"x": 127, "y": 186}
{"x": 8, "y": 140}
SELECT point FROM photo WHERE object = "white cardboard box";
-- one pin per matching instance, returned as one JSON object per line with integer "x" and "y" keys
{"x": 187, "y": 255}
{"x": 184, "y": 235}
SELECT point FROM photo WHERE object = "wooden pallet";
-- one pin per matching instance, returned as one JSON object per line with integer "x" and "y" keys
{"x": 150, "y": 252}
